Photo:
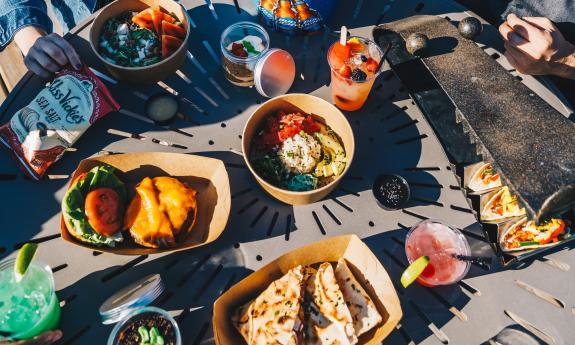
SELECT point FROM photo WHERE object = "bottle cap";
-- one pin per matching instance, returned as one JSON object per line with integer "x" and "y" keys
{"x": 137, "y": 295}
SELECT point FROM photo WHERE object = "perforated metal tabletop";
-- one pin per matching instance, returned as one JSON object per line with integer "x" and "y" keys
{"x": 391, "y": 136}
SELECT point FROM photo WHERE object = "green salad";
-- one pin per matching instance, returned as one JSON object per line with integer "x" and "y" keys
{"x": 125, "y": 43}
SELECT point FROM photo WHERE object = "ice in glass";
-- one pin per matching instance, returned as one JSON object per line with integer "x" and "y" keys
{"x": 28, "y": 307}
{"x": 440, "y": 243}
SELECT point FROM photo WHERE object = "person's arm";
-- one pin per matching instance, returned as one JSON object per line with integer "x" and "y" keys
{"x": 18, "y": 14}
{"x": 28, "y": 24}
{"x": 45, "y": 338}
{"x": 535, "y": 46}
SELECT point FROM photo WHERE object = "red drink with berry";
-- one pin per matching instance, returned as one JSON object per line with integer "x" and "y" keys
{"x": 354, "y": 67}
{"x": 440, "y": 243}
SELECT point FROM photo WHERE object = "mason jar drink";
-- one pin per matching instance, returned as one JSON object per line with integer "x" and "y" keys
{"x": 354, "y": 67}
{"x": 28, "y": 307}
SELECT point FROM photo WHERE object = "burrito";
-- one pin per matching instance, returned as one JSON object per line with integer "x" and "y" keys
{"x": 500, "y": 205}
{"x": 484, "y": 178}
{"x": 363, "y": 311}
{"x": 527, "y": 235}
{"x": 274, "y": 316}
{"x": 330, "y": 320}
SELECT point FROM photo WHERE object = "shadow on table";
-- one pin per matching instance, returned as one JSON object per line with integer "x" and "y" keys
{"x": 193, "y": 281}
{"x": 254, "y": 214}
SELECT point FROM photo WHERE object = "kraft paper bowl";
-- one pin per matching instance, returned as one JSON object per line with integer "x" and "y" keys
{"x": 322, "y": 111}
{"x": 145, "y": 74}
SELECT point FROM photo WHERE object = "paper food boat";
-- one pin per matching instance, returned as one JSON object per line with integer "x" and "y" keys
{"x": 207, "y": 176}
{"x": 364, "y": 265}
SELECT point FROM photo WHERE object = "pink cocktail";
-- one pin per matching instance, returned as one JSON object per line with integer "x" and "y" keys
{"x": 440, "y": 243}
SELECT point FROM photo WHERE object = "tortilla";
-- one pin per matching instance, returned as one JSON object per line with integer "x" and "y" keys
{"x": 363, "y": 311}
{"x": 531, "y": 233}
{"x": 503, "y": 199}
{"x": 274, "y": 316}
{"x": 330, "y": 320}
{"x": 477, "y": 184}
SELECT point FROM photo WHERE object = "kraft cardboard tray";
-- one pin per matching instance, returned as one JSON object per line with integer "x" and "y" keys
{"x": 207, "y": 176}
{"x": 363, "y": 263}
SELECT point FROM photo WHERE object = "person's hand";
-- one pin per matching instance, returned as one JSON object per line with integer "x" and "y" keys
{"x": 45, "y": 338}
{"x": 45, "y": 54}
{"x": 535, "y": 46}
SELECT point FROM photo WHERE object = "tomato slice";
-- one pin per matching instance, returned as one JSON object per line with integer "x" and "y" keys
{"x": 173, "y": 30}
{"x": 102, "y": 207}
{"x": 288, "y": 132}
{"x": 169, "y": 18}
{"x": 145, "y": 14}
{"x": 143, "y": 23}
{"x": 169, "y": 45}
{"x": 157, "y": 18}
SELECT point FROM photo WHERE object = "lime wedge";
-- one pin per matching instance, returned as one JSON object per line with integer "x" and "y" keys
{"x": 23, "y": 260}
{"x": 414, "y": 270}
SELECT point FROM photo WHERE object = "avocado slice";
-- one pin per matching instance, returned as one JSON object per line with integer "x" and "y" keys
{"x": 336, "y": 163}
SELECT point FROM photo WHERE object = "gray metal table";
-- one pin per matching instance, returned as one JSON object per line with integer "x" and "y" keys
{"x": 391, "y": 136}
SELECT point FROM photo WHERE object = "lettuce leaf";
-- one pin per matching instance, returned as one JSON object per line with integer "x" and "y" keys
{"x": 73, "y": 204}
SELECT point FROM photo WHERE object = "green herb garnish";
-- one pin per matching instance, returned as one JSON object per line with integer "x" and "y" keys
{"x": 249, "y": 47}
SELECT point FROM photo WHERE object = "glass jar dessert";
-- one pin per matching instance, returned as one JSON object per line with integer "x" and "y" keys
{"x": 242, "y": 44}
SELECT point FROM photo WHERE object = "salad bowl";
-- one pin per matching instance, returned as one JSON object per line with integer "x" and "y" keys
{"x": 149, "y": 73}
{"x": 322, "y": 112}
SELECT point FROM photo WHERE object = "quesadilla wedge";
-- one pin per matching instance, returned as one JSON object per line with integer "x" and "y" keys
{"x": 363, "y": 311}
{"x": 274, "y": 316}
{"x": 500, "y": 205}
{"x": 525, "y": 234}
{"x": 484, "y": 178}
{"x": 330, "y": 320}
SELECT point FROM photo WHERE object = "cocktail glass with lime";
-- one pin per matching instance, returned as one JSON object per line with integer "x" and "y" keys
{"x": 28, "y": 306}
{"x": 441, "y": 244}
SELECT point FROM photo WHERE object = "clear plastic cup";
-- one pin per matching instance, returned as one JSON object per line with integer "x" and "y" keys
{"x": 349, "y": 94}
{"x": 28, "y": 307}
{"x": 238, "y": 70}
{"x": 440, "y": 242}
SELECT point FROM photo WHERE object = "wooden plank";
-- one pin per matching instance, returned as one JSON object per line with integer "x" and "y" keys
{"x": 3, "y": 92}
{"x": 12, "y": 67}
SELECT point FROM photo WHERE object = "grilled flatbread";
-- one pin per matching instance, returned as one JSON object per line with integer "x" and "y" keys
{"x": 484, "y": 178}
{"x": 274, "y": 316}
{"x": 526, "y": 235}
{"x": 363, "y": 311}
{"x": 500, "y": 205}
{"x": 330, "y": 321}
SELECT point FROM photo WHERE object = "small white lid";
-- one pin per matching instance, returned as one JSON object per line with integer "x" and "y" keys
{"x": 137, "y": 295}
{"x": 274, "y": 73}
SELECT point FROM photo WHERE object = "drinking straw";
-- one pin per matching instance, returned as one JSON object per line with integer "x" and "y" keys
{"x": 343, "y": 35}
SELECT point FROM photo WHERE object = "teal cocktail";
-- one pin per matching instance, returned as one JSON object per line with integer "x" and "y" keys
{"x": 28, "y": 307}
